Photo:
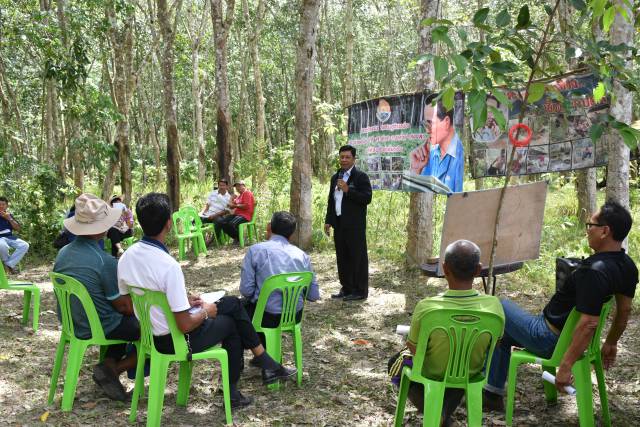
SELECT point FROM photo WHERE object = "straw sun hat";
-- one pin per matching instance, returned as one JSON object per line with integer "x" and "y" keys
{"x": 93, "y": 216}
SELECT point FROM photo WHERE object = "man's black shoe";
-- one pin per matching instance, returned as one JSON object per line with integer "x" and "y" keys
{"x": 492, "y": 402}
{"x": 240, "y": 401}
{"x": 269, "y": 376}
{"x": 340, "y": 294}
{"x": 109, "y": 383}
{"x": 355, "y": 297}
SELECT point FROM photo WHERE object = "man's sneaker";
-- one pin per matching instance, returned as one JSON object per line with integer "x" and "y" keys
{"x": 282, "y": 373}
{"x": 240, "y": 401}
{"x": 492, "y": 402}
{"x": 109, "y": 383}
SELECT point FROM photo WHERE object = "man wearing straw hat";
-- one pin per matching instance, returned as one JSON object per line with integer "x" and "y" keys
{"x": 83, "y": 260}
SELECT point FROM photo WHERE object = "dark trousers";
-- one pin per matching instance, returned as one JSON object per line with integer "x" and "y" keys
{"x": 232, "y": 328}
{"x": 229, "y": 224}
{"x": 452, "y": 396}
{"x": 352, "y": 259}
{"x": 269, "y": 320}
{"x": 116, "y": 236}
{"x": 129, "y": 330}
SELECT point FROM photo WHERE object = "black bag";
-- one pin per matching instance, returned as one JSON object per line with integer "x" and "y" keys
{"x": 62, "y": 240}
{"x": 564, "y": 268}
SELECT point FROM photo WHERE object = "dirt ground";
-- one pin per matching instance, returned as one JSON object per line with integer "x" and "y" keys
{"x": 346, "y": 348}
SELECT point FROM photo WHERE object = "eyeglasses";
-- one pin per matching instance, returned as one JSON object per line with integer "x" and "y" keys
{"x": 588, "y": 225}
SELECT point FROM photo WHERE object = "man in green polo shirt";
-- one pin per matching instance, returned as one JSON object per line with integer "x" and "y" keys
{"x": 461, "y": 266}
{"x": 83, "y": 260}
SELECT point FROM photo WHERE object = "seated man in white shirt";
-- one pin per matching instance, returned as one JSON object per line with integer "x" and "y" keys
{"x": 217, "y": 203}
{"x": 148, "y": 264}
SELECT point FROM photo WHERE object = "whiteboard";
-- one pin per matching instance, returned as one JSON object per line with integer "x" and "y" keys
{"x": 471, "y": 216}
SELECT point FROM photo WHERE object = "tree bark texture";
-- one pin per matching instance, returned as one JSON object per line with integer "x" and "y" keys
{"x": 168, "y": 32}
{"x": 420, "y": 221}
{"x": 222, "y": 20}
{"x": 347, "y": 91}
{"x": 124, "y": 81}
{"x": 301, "y": 171}
{"x": 621, "y": 109}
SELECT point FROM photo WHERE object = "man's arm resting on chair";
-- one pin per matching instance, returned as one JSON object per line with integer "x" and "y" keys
{"x": 619, "y": 324}
{"x": 123, "y": 305}
{"x": 582, "y": 335}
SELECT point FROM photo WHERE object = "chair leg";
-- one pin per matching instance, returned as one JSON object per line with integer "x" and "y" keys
{"x": 36, "y": 309}
{"x": 402, "y": 400}
{"x": 241, "y": 229}
{"x": 181, "y": 254}
{"x": 157, "y": 382}
{"x": 584, "y": 392}
{"x": 184, "y": 383}
{"x": 511, "y": 389}
{"x": 26, "y": 304}
{"x": 274, "y": 349}
{"x": 602, "y": 391}
{"x": 138, "y": 388}
{"x": 203, "y": 245}
{"x": 433, "y": 400}
{"x": 474, "y": 404}
{"x": 297, "y": 350}
{"x": 224, "y": 367}
{"x": 550, "y": 390}
{"x": 74, "y": 361}
{"x": 55, "y": 373}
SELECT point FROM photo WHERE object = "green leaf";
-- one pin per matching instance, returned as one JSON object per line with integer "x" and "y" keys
{"x": 536, "y": 92}
{"x": 461, "y": 63}
{"x": 480, "y": 16}
{"x": 501, "y": 97}
{"x": 579, "y": 5}
{"x": 548, "y": 9}
{"x": 523, "y": 17}
{"x": 439, "y": 34}
{"x": 440, "y": 66}
{"x": 478, "y": 106}
{"x": 598, "y": 92}
{"x": 503, "y": 67}
{"x": 503, "y": 18}
{"x": 607, "y": 19}
{"x": 478, "y": 76}
{"x": 424, "y": 58}
{"x": 598, "y": 7}
{"x": 428, "y": 21}
{"x": 629, "y": 137}
{"x": 447, "y": 98}
{"x": 499, "y": 116}
{"x": 595, "y": 132}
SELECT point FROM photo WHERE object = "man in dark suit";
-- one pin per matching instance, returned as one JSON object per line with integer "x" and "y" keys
{"x": 349, "y": 195}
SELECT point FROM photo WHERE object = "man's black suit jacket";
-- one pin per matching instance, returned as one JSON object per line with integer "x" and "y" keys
{"x": 354, "y": 202}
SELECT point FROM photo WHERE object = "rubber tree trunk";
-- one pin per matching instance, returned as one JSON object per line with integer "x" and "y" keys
{"x": 420, "y": 221}
{"x": 301, "y": 173}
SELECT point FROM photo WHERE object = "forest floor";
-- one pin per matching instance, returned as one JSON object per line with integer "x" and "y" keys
{"x": 346, "y": 348}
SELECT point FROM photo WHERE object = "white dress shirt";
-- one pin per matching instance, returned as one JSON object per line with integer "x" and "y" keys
{"x": 338, "y": 193}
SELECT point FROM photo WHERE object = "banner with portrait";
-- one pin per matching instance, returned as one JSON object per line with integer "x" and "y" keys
{"x": 560, "y": 121}
{"x": 409, "y": 142}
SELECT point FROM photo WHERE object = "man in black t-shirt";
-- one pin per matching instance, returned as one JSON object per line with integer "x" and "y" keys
{"x": 608, "y": 272}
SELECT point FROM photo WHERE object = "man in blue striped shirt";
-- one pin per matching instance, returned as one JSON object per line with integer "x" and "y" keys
{"x": 275, "y": 256}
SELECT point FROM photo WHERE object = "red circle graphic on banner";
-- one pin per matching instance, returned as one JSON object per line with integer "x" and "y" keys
{"x": 522, "y": 142}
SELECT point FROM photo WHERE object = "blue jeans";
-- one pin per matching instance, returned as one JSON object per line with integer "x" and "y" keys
{"x": 21, "y": 247}
{"x": 521, "y": 329}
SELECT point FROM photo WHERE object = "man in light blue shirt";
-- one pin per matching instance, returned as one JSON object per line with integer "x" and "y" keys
{"x": 275, "y": 256}
{"x": 442, "y": 156}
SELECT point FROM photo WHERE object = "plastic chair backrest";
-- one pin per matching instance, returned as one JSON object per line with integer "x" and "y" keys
{"x": 64, "y": 287}
{"x": 181, "y": 224}
{"x": 463, "y": 328}
{"x": 566, "y": 335}
{"x": 189, "y": 208}
{"x": 192, "y": 214}
{"x": 291, "y": 287}
{"x": 143, "y": 299}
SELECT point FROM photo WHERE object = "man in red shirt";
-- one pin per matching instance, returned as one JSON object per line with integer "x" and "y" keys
{"x": 243, "y": 206}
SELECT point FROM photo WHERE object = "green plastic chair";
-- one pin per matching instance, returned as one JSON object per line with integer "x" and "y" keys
{"x": 292, "y": 287}
{"x": 65, "y": 287}
{"x": 143, "y": 300}
{"x": 197, "y": 223}
{"x": 184, "y": 229}
{"x": 248, "y": 228}
{"x": 31, "y": 292}
{"x": 581, "y": 371}
{"x": 463, "y": 327}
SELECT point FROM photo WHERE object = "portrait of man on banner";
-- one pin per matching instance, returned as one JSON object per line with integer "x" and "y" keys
{"x": 442, "y": 154}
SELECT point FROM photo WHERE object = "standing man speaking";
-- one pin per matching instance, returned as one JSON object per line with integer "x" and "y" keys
{"x": 349, "y": 195}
